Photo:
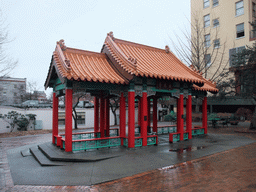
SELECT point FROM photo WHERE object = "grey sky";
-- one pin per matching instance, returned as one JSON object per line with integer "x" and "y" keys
{"x": 36, "y": 25}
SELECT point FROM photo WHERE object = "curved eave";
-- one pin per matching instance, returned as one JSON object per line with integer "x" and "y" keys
{"x": 120, "y": 54}
{"x": 206, "y": 88}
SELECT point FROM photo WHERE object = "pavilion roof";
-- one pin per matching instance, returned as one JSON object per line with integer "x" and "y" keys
{"x": 81, "y": 65}
{"x": 142, "y": 60}
{"x": 131, "y": 58}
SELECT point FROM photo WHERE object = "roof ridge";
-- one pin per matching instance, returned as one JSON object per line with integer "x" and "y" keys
{"x": 130, "y": 62}
{"x": 138, "y": 44}
{"x": 84, "y": 51}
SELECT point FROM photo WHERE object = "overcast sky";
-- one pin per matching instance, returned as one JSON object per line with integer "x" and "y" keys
{"x": 36, "y": 25}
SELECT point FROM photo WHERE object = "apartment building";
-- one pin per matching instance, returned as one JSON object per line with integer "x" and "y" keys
{"x": 226, "y": 29}
{"x": 12, "y": 90}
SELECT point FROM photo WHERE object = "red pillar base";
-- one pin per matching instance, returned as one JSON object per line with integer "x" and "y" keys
{"x": 68, "y": 121}
{"x": 180, "y": 123}
{"x": 55, "y": 103}
{"x": 204, "y": 114}
{"x": 144, "y": 120}
{"x": 131, "y": 119}
{"x": 189, "y": 116}
{"x": 122, "y": 118}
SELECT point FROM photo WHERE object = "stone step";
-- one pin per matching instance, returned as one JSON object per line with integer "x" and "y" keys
{"x": 56, "y": 154}
{"x": 25, "y": 153}
{"x": 42, "y": 159}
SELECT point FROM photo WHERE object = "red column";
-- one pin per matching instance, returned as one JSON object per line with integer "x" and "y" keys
{"x": 122, "y": 117}
{"x": 139, "y": 112}
{"x": 107, "y": 116}
{"x": 155, "y": 114}
{"x": 96, "y": 114}
{"x": 55, "y": 102}
{"x": 102, "y": 117}
{"x": 131, "y": 119}
{"x": 204, "y": 114}
{"x": 178, "y": 114}
{"x": 144, "y": 120}
{"x": 189, "y": 116}
{"x": 149, "y": 117}
{"x": 180, "y": 123}
{"x": 68, "y": 120}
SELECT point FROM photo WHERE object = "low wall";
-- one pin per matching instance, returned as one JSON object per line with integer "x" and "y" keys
{"x": 45, "y": 115}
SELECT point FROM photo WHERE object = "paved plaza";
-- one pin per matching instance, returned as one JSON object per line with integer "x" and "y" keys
{"x": 221, "y": 161}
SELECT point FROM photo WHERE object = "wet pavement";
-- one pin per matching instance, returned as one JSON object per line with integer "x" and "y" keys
{"x": 233, "y": 169}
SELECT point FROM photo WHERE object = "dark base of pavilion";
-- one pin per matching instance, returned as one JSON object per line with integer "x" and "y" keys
{"x": 48, "y": 154}
{"x": 107, "y": 164}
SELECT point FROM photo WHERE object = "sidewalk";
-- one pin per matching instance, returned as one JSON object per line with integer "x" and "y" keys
{"x": 232, "y": 169}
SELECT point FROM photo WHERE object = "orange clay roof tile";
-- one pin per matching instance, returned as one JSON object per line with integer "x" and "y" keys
{"x": 85, "y": 66}
{"x": 150, "y": 62}
{"x": 136, "y": 59}
{"x": 142, "y": 60}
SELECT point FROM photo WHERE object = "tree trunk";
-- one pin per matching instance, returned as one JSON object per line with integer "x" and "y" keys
{"x": 115, "y": 118}
{"x": 75, "y": 117}
{"x": 253, "y": 121}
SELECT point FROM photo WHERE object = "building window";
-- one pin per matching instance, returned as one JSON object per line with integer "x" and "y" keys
{"x": 207, "y": 60}
{"x": 15, "y": 94}
{"x": 233, "y": 52}
{"x": 253, "y": 9}
{"x": 216, "y": 43}
{"x": 206, "y": 3}
{"x": 240, "y": 30}
{"x": 239, "y": 8}
{"x": 216, "y": 23}
{"x": 215, "y": 3}
{"x": 207, "y": 20}
{"x": 15, "y": 86}
{"x": 207, "y": 40}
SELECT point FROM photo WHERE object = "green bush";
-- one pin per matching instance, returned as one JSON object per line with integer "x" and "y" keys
{"x": 170, "y": 117}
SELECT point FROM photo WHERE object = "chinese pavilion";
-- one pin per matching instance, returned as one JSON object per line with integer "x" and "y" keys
{"x": 127, "y": 70}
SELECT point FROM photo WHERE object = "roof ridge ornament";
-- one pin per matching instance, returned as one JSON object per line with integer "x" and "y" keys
{"x": 133, "y": 60}
{"x": 167, "y": 49}
{"x": 111, "y": 35}
{"x": 62, "y": 45}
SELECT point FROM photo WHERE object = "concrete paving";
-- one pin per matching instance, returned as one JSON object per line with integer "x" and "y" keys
{"x": 27, "y": 171}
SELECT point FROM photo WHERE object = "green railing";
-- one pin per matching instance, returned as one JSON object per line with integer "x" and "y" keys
{"x": 185, "y": 136}
{"x": 166, "y": 129}
{"x": 125, "y": 140}
{"x": 138, "y": 142}
{"x": 63, "y": 143}
{"x": 91, "y": 135}
{"x": 176, "y": 137}
{"x": 96, "y": 143}
{"x": 199, "y": 131}
{"x": 151, "y": 140}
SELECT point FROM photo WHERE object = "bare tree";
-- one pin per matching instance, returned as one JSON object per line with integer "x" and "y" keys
{"x": 202, "y": 50}
{"x": 76, "y": 98}
{"x": 114, "y": 105}
{"x": 6, "y": 63}
{"x": 32, "y": 91}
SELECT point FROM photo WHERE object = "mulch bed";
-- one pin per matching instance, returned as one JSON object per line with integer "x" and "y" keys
{"x": 24, "y": 133}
